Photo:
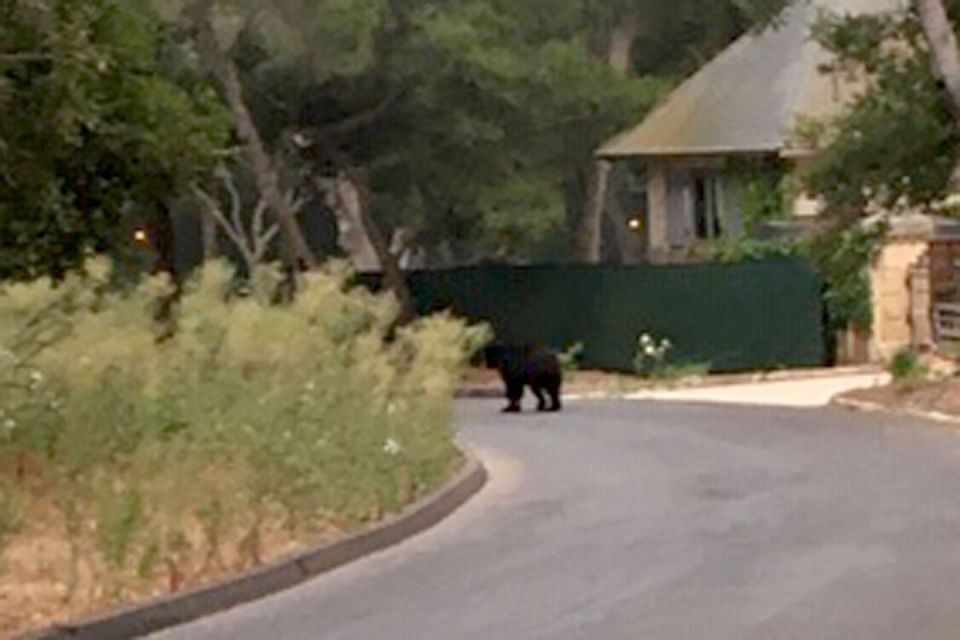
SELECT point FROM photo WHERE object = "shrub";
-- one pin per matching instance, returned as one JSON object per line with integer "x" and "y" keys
{"x": 651, "y": 355}
{"x": 906, "y": 368}
{"x": 162, "y": 450}
{"x": 571, "y": 357}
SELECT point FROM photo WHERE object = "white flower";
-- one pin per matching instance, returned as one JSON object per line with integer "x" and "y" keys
{"x": 310, "y": 386}
{"x": 650, "y": 350}
{"x": 9, "y": 424}
{"x": 391, "y": 447}
{"x": 36, "y": 379}
{"x": 666, "y": 344}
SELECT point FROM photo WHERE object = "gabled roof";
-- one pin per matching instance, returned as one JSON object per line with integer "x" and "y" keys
{"x": 748, "y": 98}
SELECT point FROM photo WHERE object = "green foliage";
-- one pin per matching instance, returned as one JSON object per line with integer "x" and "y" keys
{"x": 843, "y": 256}
{"x": 652, "y": 361}
{"x": 571, "y": 356}
{"x": 650, "y": 358}
{"x": 898, "y": 146}
{"x": 762, "y": 198}
{"x": 99, "y": 120}
{"x": 750, "y": 249}
{"x": 906, "y": 368}
{"x": 250, "y": 412}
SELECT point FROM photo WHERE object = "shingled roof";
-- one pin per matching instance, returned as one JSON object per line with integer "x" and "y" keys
{"x": 748, "y": 98}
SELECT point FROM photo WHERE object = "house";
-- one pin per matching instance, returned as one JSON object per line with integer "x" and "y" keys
{"x": 696, "y": 166}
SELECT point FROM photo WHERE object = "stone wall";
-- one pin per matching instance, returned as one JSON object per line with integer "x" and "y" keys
{"x": 900, "y": 318}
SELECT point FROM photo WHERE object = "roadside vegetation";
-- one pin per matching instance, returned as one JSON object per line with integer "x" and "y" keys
{"x": 138, "y": 457}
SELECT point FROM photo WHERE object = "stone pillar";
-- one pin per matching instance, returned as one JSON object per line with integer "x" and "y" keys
{"x": 893, "y": 326}
{"x": 658, "y": 248}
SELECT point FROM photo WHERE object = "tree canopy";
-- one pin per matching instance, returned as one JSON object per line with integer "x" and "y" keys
{"x": 898, "y": 146}
{"x": 465, "y": 130}
{"x": 100, "y": 118}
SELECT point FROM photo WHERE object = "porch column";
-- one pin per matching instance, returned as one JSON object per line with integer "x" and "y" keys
{"x": 658, "y": 241}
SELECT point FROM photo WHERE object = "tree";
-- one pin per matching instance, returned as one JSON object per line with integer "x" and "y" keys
{"x": 897, "y": 147}
{"x": 214, "y": 47}
{"x": 942, "y": 41}
{"x": 100, "y": 121}
{"x": 895, "y": 150}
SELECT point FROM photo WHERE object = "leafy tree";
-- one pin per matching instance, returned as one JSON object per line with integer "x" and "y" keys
{"x": 100, "y": 119}
{"x": 897, "y": 147}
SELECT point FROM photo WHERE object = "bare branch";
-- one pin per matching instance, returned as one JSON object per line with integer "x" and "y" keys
{"x": 258, "y": 214}
{"x": 262, "y": 243}
{"x": 236, "y": 202}
{"x": 213, "y": 209}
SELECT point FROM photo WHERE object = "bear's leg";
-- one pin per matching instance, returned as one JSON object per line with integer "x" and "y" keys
{"x": 541, "y": 400}
{"x": 554, "y": 390}
{"x": 514, "y": 396}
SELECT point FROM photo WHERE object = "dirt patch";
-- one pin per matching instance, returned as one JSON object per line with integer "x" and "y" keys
{"x": 940, "y": 397}
{"x": 44, "y": 581}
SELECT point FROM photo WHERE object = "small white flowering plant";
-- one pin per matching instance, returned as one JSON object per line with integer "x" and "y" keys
{"x": 651, "y": 355}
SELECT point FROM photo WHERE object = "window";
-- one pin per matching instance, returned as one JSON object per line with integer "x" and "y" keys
{"x": 706, "y": 206}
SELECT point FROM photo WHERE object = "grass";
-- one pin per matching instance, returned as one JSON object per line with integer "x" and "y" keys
{"x": 146, "y": 462}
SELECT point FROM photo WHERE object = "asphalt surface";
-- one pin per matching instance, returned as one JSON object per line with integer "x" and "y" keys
{"x": 632, "y": 520}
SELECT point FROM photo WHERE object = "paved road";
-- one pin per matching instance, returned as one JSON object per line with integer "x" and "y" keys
{"x": 664, "y": 522}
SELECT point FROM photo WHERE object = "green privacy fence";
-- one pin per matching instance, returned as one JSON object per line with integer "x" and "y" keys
{"x": 759, "y": 315}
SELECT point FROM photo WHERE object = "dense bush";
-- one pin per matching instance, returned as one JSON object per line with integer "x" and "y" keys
{"x": 907, "y": 369}
{"x": 157, "y": 449}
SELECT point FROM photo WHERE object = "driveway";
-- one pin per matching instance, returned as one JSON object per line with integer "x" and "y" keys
{"x": 636, "y": 520}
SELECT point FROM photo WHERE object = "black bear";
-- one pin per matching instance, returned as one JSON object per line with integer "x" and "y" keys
{"x": 527, "y": 366}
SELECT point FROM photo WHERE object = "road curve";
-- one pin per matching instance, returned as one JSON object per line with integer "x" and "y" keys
{"x": 632, "y": 520}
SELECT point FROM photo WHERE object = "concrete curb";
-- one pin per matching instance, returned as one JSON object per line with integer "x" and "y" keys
{"x": 258, "y": 583}
{"x": 875, "y": 407}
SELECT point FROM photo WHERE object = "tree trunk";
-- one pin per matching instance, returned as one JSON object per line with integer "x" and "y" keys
{"x": 590, "y": 233}
{"x": 297, "y": 251}
{"x": 393, "y": 278}
{"x": 622, "y": 39}
{"x": 589, "y": 243}
{"x": 351, "y": 232}
{"x": 943, "y": 46}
